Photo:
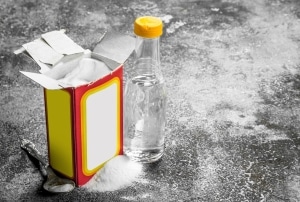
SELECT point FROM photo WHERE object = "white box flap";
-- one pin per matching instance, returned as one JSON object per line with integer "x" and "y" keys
{"x": 40, "y": 51}
{"x": 115, "y": 46}
{"x": 61, "y": 43}
{"x": 43, "y": 80}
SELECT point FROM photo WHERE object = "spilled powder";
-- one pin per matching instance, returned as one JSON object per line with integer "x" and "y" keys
{"x": 117, "y": 173}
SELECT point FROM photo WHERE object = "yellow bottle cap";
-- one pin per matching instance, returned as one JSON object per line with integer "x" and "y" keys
{"x": 148, "y": 27}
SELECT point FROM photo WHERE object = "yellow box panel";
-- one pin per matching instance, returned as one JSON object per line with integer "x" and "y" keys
{"x": 58, "y": 106}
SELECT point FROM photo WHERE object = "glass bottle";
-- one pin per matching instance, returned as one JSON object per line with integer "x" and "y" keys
{"x": 145, "y": 96}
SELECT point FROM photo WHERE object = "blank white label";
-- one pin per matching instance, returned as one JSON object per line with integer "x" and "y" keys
{"x": 101, "y": 126}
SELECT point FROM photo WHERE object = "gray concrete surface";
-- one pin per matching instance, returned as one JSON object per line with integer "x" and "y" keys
{"x": 233, "y": 81}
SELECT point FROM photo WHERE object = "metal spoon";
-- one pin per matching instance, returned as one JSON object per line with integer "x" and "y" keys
{"x": 53, "y": 184}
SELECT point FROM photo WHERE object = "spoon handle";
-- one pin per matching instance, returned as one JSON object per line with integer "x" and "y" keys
{"x": 30, "y": 148}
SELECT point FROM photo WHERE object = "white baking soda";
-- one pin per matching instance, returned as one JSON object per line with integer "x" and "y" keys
{"x": 88, "y": 70}
{"x": 117, "y": 173}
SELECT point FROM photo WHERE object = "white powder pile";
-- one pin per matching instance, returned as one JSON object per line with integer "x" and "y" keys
{"x": 117, "y": 173}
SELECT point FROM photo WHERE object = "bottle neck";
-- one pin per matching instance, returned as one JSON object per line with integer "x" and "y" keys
{"x": 147, "y": 54}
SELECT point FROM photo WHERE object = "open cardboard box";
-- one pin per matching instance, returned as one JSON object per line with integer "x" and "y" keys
{"x": 84, "y": 123}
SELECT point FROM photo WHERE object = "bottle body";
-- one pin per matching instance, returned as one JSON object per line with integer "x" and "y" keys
{"x": 145, "y": 104}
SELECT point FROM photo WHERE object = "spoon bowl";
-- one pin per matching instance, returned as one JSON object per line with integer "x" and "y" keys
{"x": 53, "y": 184}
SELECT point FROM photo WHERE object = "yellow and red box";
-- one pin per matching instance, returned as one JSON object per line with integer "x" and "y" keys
{"x": 85, "y": 123}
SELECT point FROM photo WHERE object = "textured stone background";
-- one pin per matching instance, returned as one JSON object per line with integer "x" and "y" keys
{"x": 232, "y": 74}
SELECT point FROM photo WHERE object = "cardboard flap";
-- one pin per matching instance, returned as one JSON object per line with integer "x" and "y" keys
{"x": 115, "y": 46}
{"x": 50, "y": 49}
{"x": 61, "y": 43}
{"x": 43, "y": 80}
{"x": 40, "y": 51}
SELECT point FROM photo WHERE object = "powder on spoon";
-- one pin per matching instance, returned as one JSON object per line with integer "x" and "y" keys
{"x": 60, "y": 188}
{"x": 117, "y": 173}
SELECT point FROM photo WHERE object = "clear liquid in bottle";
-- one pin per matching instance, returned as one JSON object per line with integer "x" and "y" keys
{"x": 145, "y": 120}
